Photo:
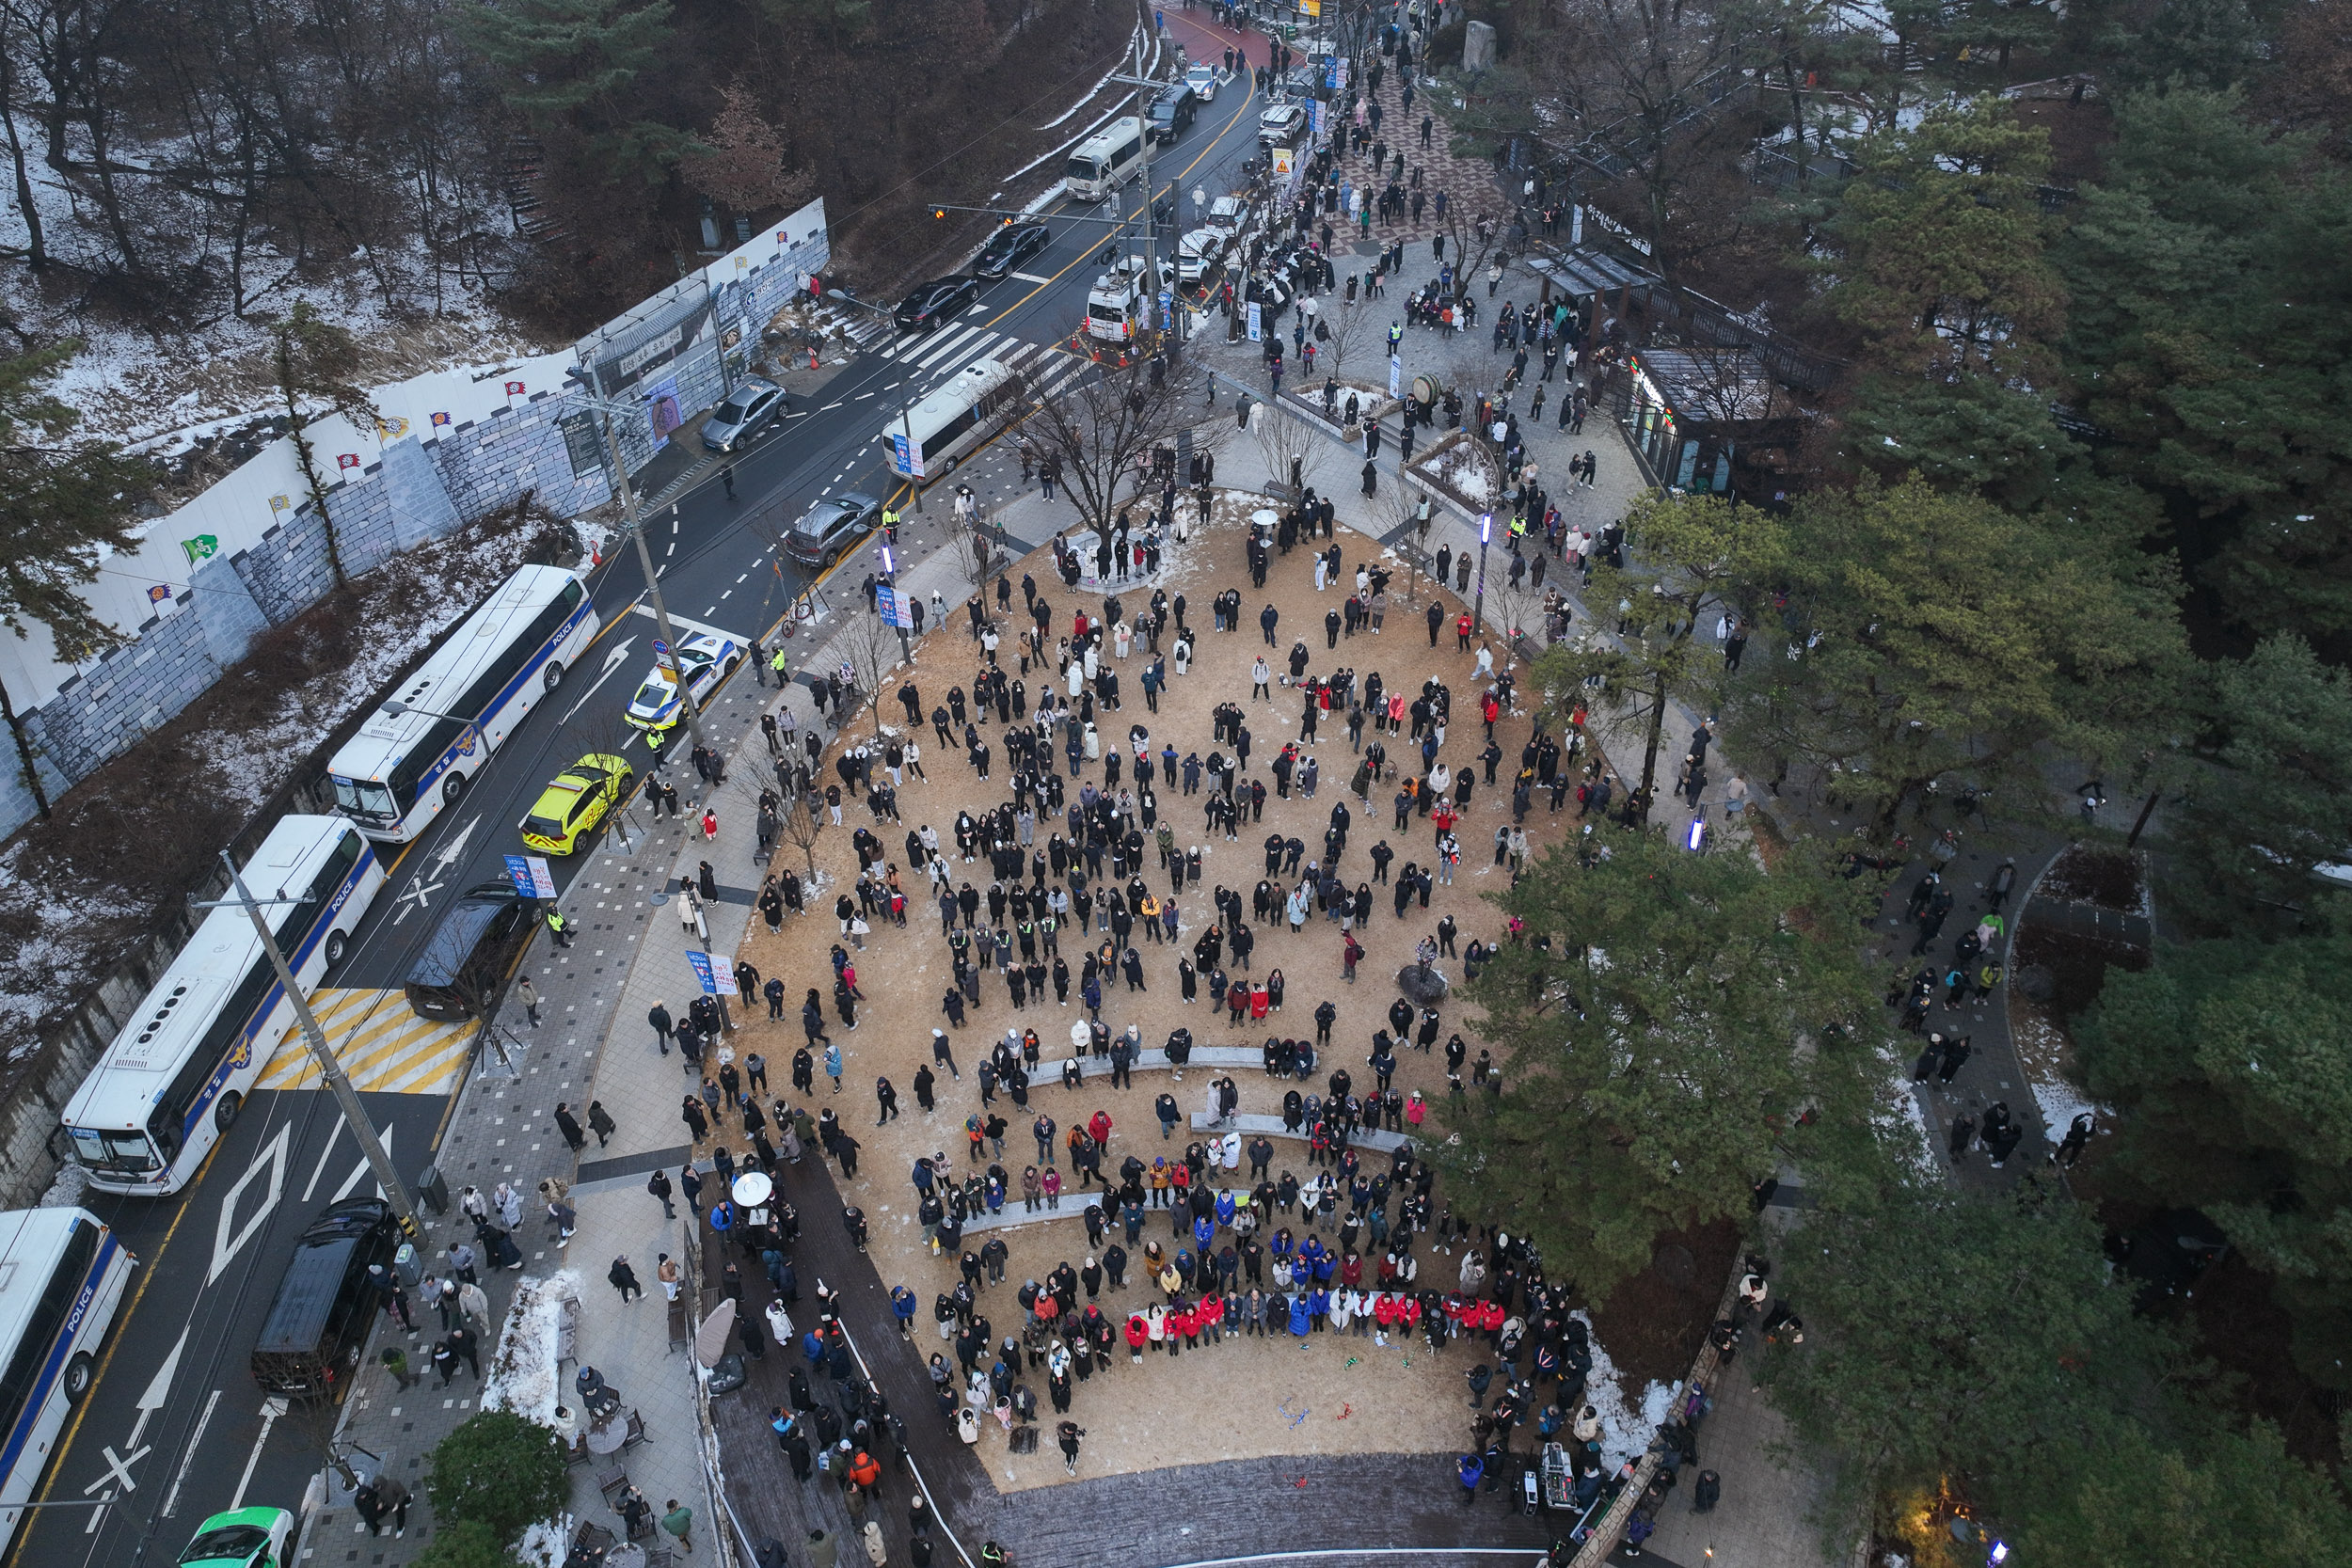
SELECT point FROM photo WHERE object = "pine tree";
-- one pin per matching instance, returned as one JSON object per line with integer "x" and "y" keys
{"x": 64, "y": 508}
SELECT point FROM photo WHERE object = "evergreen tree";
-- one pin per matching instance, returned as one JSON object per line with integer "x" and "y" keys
{"x": 2211, "y": 339}
{"x": 574, "y": 65}
{"x": 499, "y": 1470}
{"x": 64, "y": 508}
{"x": 2227, "y": 1067}
{"x": 1938, "y": 637}
{"x": 1664, "y": 1022}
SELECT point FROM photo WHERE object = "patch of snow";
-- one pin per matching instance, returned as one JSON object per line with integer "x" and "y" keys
{"x": 543, "y": 1544}
{"x": 66, "y": 1190}
{"x": 1625, "y": 1430}
{"x": 524, "y": 1375}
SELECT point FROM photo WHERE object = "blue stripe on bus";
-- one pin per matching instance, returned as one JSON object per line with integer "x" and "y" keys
{"x": 507, "y": 695}
{"x": 37, "y": 1398}
{"x": 270, "y": 998}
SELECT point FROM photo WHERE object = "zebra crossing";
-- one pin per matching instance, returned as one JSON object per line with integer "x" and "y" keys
{"x": 933, "y": 360}
{"x": 384, "y": 1047}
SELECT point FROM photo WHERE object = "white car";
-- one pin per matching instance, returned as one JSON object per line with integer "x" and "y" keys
{"x": 704, "y": 659}
{"x": 1201, "y": 79}
{"x": 1198, "y": 252}
{"x": 1281, "y": 126}
{"x": 1231, "y": 213}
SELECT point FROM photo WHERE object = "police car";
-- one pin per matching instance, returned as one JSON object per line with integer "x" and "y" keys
{"x": 705, "y": 659}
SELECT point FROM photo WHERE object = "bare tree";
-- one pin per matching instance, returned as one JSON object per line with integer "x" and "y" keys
{"x": 804, "y": 820}
{"x": 1295, "y": 450}
{"x": 1340, "y": 332}
{"x": 315, "y": 363}
{"x": 1106, "y": 424}
{"x": 871, "y": 645}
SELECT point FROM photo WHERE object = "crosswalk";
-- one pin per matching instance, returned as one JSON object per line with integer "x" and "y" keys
{"x": 932, "y": 359}
{"x": 383, "y": 1046}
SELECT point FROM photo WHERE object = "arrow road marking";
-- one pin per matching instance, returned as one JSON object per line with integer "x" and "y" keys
{"x": 455, "y": 847}
{"x": 158, "y": 1389}
{"x": 272, "y": 1408}
{"x": 613, "y": 662}
{"x": 273, "y": 1158}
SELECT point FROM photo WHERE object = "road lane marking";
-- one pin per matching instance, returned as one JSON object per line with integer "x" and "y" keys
{"x": 195, "y": 1445}
{"x": 272, "y": 1160}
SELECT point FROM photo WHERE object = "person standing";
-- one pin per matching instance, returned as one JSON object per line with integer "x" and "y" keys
{"x": 1068, "y": 1434}
{"x": 663, "y": 1025}
{"x": 528, "y": 994}
{"x": 568, "y": 1125}
{"x": 659, "y": 1184}
{"x": 679, "y": 1521}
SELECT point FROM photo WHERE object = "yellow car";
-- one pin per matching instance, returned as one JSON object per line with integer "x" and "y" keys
{"x": 580, "y": 797}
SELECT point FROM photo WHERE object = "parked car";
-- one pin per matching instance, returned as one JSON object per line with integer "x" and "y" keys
{"x": 1198, "y": 253}
{"x": 830, "y": 528}
{"x": 317, "y": 1323}
{"x": 1010, "y": 247}
{"x": 931, "y": 305}
{"x": 1282, "y": 125}
{"x": 242, "y": 1538}
{"x": 1201, "y": 79}
{"x": 463, "y": 970}
{"x": 704, "y": 660}
{"x": 746, "y": 411}
{"x": 574, "y": 801}
{"x": 1171, "y": 113}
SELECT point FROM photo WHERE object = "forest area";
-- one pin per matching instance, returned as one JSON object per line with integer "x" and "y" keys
{"x": 2066, "y": 520}
{"x": 180, "y": 174}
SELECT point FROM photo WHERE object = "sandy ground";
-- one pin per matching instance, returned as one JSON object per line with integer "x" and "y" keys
{"x": 1249, "y": 1397}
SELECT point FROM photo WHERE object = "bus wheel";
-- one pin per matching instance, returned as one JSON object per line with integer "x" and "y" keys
{"x": 337, "y": 946}
{"x": 554, "y": 676}
{"x": 224, "y": 1114}
{"x": 452, "y": 787}
{"x": 79, "y": 1374}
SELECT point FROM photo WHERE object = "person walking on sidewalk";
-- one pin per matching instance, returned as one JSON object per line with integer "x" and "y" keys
{"x": 568, "y": 1125}
{"x": 663, "y": 1025}
{"x": 396, "y": 1362}
{"x": 600, "y": 1122}
{"x": 624, "y": 1278}
{"x": 679, "y": 1521}
{"x": 659, "y": 1184}
{"x": 528, "y": 994}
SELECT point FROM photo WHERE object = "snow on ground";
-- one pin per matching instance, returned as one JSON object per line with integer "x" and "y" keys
{"x": 2045, "y": 1050}
{"x": 543, "y": 1544}
{"x": 525, "y": 1373}
{"x": 1626, "y": 1428}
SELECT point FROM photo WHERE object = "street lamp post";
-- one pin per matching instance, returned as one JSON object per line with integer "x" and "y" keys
{"x": 337, "y": 1081}
{"x": 645, "y": 562}
{"x": 1485, "y": 531}
{"x": 890, "y": 580}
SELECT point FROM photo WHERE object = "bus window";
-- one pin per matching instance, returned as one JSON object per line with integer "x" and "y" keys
{"x": 1085, "y": 170}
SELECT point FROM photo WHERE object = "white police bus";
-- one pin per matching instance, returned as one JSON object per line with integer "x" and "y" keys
{"x": 395, "y": 775}
{"x": 173, "y": 1080}
{"x": 972, "y": 407}
{"x": 61, "y": 1277}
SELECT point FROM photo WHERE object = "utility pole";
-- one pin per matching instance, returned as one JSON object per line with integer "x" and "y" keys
{"x": 1145, "y": 86}
{"x": 653, "y": 583}
{"x": 337, "y": 1081}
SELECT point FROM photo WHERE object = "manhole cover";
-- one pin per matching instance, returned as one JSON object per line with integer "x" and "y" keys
{"x": 2035, "y": 983}
{"x": 1675, "y": 1266}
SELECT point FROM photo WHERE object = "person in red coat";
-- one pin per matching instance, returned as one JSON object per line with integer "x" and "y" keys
{"x": 1138, "y": 1336}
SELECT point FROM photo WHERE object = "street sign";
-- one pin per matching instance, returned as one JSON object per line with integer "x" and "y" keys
{"x": 661, "y": 649}
{"x": 1257, "y": 326}
{"x": 531, "y": 876}
{"x": 895, "y": 608}
{"x": 717, "y": 979}
{"x": 1283, "y": 160}
{"x": 1396, "y": 377}
{"x": 906, "y": 457}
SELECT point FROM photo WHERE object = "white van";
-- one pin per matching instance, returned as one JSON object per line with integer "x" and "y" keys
{"x": 1107, "y": 159}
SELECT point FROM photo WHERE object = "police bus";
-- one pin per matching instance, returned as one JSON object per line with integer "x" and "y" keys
{"x": 61, "y": 1277}
{"x": 1107, "y": 159}
{"x": 948, "y": 424}
{"x": 173, "y": 1080}
{"x": 415, "y": 754}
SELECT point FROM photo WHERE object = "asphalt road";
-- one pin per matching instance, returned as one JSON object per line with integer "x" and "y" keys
{"x": 165, "y": 1452}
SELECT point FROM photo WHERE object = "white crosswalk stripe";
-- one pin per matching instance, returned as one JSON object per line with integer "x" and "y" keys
{"x": 956, "y": 341}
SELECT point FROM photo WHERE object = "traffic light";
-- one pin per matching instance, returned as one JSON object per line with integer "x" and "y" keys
{"x": 939, "y": 212}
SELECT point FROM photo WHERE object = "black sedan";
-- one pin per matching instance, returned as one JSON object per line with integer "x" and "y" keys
{"x": 1009, "y": 248}
{"x": 931, "y": 305}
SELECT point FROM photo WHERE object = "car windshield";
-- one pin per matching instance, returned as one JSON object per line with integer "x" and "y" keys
{"x": 652, "y": 694}
{"x": 545, "y": 827}
{"x": 234, "y": 1542}
{"x": 1082, "y": 168}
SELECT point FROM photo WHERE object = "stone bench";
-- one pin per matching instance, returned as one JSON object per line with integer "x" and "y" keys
{"x": 1386, "y": 1143}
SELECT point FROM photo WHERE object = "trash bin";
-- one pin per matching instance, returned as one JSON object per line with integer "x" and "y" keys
{"x": 433, "y": 1190}
{"x": 406, "y": 1264}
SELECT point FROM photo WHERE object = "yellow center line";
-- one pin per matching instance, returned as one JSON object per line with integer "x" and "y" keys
{"x": 1248, "y": 98}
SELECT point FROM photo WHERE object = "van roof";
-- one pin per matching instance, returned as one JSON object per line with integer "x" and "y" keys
{"x": 315, "y": 1274}
{"x": 453, "y": 941}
